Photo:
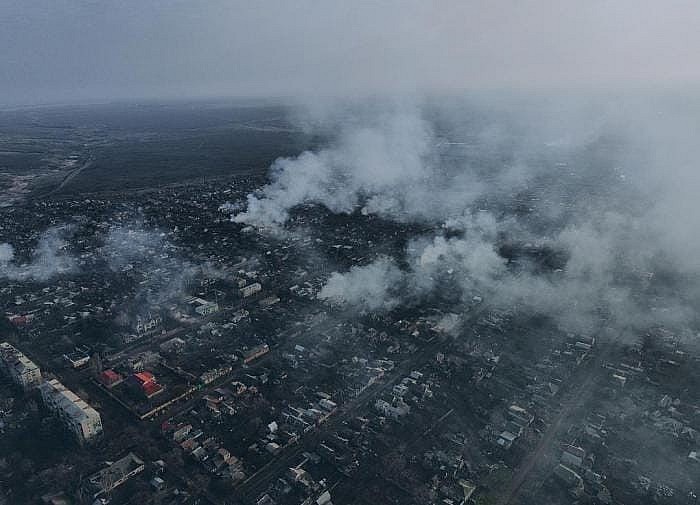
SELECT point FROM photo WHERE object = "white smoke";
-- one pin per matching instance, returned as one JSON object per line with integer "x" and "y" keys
{"x": 617, "y": 201}
{"x": 594, "y": 282}
{"x": 371, "y": 287}
{"x": 49, "y": 258}
{"x": 7, "y": 254}
{"x": 125, "y": 244}
{"x": 385, "y": 165}
{"x": 149, "y": 252}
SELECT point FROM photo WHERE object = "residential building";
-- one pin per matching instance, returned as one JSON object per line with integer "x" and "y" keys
{"x": 76, "y": 414}
{"x": 148, "y": 325}
{"x": 18, "y": 367}
{"x": 77, "y": 359}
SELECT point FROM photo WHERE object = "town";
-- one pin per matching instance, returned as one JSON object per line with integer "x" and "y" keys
{"x": 177, "y": 357}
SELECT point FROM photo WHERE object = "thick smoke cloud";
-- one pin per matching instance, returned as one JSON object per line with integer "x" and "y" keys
{"x": 383, "y": 163}
{"x": 407, "y": 161}
{"x": 598, "y": 281}
{"x": 607, "y": 185}
{"x": 372, "y": 287}
{"x": 49, "y": 259}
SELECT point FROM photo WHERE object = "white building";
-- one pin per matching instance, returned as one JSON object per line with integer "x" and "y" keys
{"x": 269, "y": 301}
{"x": 389, "y": 410}
{"x": 250, "y": 289}
{"x": 23, "y": 371}
{"x": 77, "y": 359}
{"x": 113, "y": 476}
{"x": 148, "y": 325}
{"x": 204, "y": 307}
{"x": 78, "y": 416}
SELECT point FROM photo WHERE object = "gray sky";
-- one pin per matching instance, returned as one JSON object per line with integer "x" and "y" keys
{"x": 56, "y": 50}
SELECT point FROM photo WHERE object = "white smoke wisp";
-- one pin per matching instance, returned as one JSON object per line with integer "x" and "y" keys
{"x": 7, "y": 254}
{"x": 131, "y": 243}
{"x": 149, "y": 251}
{"x": 372, "y": 287}
{"x": 50, "y": 258}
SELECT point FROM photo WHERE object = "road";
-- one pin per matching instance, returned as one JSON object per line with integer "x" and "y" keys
{"x": 258, "y": 482}
{"x": 582, "y": 382}
{"x": 72, "y": 175}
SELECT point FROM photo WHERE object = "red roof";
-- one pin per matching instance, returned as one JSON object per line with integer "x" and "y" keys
{"x": 111, "y": 375}
{"x": 144, "y": 377}
{"x": 151, "y": 388}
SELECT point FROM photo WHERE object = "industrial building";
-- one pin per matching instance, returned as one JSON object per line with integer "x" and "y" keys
{"x": 76, "y": 414}
{"x": 23, "y": 371}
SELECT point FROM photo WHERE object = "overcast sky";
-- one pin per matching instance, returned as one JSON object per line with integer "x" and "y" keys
{"x": 59, "y": 50}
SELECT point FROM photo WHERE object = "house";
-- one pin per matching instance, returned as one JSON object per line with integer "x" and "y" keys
{"x": 148, "y": 325}
{"x": 520, "y": 416}
{"x": 146, "y": 383}
{"x": 77, "y": 359}
{"x": 110, "y": 378}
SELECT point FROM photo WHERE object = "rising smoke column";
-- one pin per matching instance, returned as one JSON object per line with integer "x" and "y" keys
{"x": 372, "y": 287}
{"x": 384, "y": 164}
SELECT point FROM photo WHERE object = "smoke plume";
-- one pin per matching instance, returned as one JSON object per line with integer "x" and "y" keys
{"x": 372, "y": 287}
{"x": 149, "y": 252}
{"x": 49, "y": 258}
{"x": 562, "y": 210}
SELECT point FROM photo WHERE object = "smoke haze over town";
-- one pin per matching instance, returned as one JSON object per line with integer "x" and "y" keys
{"x": 352, "y": 253}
